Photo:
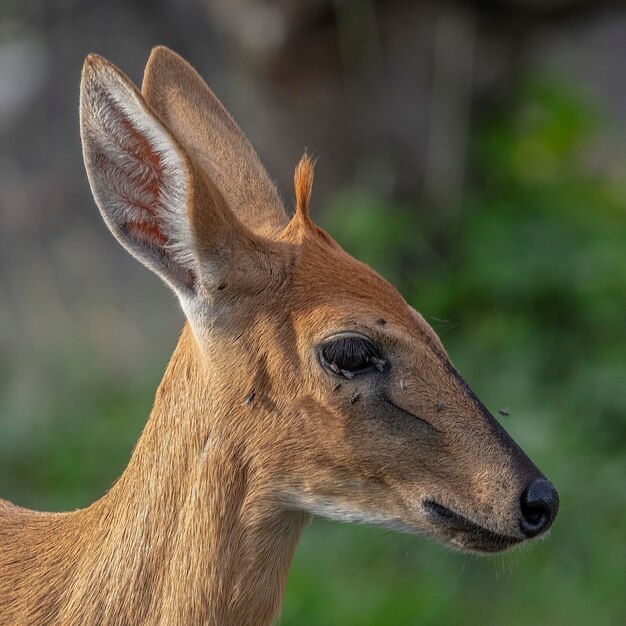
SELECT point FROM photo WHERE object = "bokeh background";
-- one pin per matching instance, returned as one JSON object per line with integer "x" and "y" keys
{"x": 472, "y": 152}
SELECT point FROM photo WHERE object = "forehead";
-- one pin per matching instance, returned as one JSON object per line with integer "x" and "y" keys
{"x": 330, "y": 286}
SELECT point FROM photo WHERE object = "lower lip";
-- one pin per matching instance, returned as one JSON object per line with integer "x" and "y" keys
{"x": 473, "y": 536}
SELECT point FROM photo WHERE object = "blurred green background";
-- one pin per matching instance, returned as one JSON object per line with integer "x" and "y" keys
{"x": 505, "y": 227}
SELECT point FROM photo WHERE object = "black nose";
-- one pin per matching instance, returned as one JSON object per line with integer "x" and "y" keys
{"x": 539, "y": 505}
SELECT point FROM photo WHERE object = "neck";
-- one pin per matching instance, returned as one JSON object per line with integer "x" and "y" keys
{"x": 191, "y": 533}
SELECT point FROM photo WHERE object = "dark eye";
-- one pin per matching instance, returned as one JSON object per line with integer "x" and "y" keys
{"x": 350, "y": 355}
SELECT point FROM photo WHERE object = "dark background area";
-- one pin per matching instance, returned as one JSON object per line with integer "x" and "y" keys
{"x": 472, "y": 152}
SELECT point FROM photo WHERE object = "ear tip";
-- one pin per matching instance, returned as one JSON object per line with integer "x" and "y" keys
{"x": 93, "y": 63}
{"x": 99, "y": 74}
{"x": 92, "y": 69}
{"x": 161, "y": 55}
{"x": 96, "y": 69}
{"x": 161, "y": 50}
{"x": 166, "y": 70}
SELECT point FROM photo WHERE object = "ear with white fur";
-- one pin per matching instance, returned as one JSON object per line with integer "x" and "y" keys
{"x": 141, "y": 179}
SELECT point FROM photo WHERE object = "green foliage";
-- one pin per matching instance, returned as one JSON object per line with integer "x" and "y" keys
{"x": 75, "y": 437}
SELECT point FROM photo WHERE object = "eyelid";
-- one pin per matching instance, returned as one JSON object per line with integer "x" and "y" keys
{"x": 371, "y": 354}
{"x": 340, "y": 334}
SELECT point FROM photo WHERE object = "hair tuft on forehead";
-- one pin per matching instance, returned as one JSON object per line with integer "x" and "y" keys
{"x": 303, "y": 181}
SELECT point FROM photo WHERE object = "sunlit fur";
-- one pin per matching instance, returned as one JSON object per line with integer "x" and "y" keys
{"x": 249, "y": 434}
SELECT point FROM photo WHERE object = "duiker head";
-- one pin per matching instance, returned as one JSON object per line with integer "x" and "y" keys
{"x": 338, "y": 393}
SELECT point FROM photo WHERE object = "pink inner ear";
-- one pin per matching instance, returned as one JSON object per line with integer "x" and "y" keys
{"x": 135, "y": 173}
{"x": 145, "y": 227}
{"x": 146, "y": 233}
{"x": 146, "y": 181}
{"x": 141, "y": 179}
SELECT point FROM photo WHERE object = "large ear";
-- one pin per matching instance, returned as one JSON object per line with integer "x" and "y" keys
{"x": 213, "y": 141}
{"x": 143, "y": 182}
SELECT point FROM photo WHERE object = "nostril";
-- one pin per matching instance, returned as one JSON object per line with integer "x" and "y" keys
{"x": 539, "y": 505}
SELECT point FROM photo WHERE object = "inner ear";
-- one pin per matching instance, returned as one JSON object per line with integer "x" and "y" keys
{"x": 148, "y": 183}
{"x": 139, "y": 176}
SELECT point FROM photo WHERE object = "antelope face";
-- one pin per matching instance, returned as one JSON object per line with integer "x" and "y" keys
{"x": 359, "y": 414}
{"x": 394, "y": 435}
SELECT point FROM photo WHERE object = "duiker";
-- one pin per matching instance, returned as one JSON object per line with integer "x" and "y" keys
{"x": 303, "y": 384}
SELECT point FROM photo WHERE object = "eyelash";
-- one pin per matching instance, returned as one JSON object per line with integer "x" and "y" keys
{"x": 350, "y": 356}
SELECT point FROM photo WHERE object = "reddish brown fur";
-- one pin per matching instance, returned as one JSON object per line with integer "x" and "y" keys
{"x": 249, "y": 434}
{"x": 303, "y": 184}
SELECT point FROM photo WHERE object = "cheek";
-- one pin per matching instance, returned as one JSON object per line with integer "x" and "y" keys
{"x": 349, "y": 423}
{"x": 390, "y": 443}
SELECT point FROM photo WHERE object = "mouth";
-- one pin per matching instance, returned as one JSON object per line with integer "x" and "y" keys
{"x": 465, "y": 534}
